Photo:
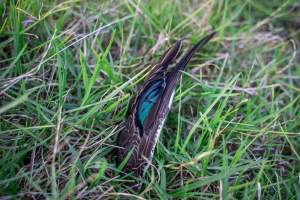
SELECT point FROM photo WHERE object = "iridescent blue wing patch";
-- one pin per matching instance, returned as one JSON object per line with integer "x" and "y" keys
{"x": 146, "y": 102}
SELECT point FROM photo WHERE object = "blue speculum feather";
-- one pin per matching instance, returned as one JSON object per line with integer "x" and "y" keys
{"x": 147, "y": 101}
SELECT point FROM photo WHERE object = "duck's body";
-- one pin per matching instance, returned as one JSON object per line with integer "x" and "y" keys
{"x": 148, "y": 109}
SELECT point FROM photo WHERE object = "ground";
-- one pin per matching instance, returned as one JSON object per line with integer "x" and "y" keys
{"x": 68, "y": 69}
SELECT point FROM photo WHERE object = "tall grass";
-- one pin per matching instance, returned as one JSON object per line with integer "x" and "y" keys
{"x": 68, "y": 69}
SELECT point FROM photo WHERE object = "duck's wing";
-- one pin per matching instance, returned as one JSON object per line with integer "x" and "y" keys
{"x": 139, "y": 107}
{"x": 150, "y": 109}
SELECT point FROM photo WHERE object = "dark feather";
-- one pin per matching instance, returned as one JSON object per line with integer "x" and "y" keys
{"x": 149, "y": 109}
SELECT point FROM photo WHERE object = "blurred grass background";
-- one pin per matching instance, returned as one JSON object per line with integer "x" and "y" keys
{"x": 68, "y": 68}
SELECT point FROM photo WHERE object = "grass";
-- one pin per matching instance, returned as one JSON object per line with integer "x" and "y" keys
{"x": 68, "y": 68}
